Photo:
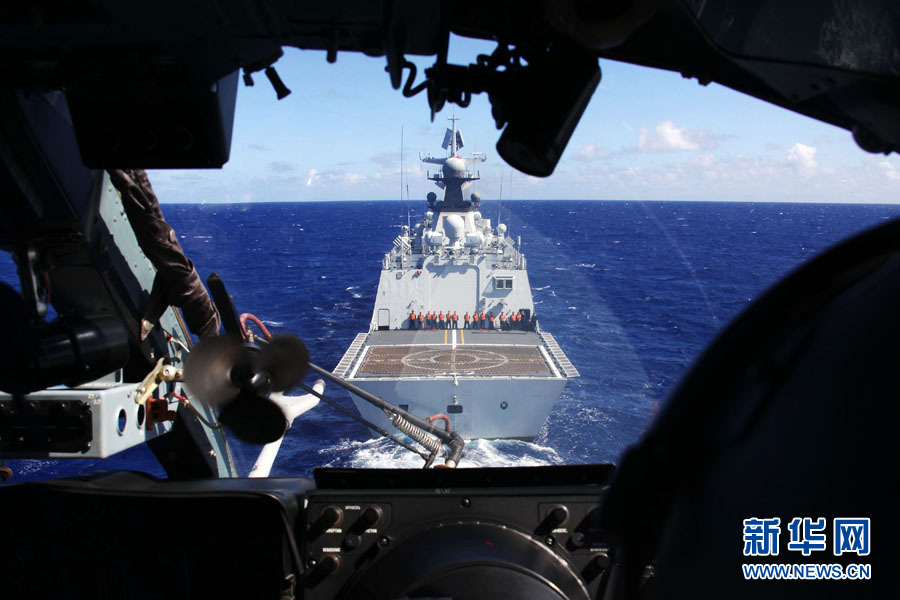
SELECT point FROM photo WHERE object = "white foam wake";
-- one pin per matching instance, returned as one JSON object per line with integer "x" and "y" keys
{"x": 384, "y": 454}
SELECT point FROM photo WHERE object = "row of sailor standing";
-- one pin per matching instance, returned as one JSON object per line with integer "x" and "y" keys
{"x": 512, "y": 321}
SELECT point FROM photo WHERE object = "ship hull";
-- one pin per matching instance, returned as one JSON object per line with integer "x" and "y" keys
{"x": 491, "y": 408}
{"x": 490, "y": 384}
{"x": 454, "y": 330}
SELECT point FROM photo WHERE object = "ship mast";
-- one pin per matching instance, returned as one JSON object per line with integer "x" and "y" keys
{"x": 453, "y": 149}
{"x": 401, "y": 176}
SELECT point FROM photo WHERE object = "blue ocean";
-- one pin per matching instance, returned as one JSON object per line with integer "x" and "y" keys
{"x": 632, "y": 291}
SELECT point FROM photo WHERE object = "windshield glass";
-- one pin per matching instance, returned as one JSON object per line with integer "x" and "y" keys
{"x": 640, "y": 248}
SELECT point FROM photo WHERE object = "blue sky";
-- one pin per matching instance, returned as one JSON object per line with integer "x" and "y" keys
{"x": 646, "y": 135}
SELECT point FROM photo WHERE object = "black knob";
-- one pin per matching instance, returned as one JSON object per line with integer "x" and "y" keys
{"x": 351, "y": 542}
{"x": 557, "y": 515}
{"x": 329, "y": 565}
{"x": 371, "y": 516}
{"x": 330, "y": 517}
{"x": 602, "y": 561}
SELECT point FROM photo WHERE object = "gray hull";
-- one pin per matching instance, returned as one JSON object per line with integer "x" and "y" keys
{"x": 490, "y": 408}
{"x": 489, "y": 384}
{"x": 499, "y": 379}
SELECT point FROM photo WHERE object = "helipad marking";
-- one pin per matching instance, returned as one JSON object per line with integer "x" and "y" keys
{"x": 453, "y": 340}
{"x": 445, "y": 336}
{"x": 462, "y": 334}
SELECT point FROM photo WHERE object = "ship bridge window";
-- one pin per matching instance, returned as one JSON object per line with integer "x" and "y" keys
{"x": 503, "y": 283}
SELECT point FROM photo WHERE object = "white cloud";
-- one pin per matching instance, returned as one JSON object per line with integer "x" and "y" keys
{"x": 590, "y": 152}
{"x": 803, "y": 159}
{"x": 668, "y": 137}
{"x": 280, "y": 166}
{"x": 331, "y": 177}
{"x": 737, "y": 177}
{"x": 386, "y": 159}
{"x": 889, "y": 170}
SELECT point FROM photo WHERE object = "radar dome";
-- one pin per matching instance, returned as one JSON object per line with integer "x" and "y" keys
{"x": 476, "y": 198}
{"x": 477, "y": 215}
{"x": 454, "y": 167}
{"x": 454, "y": 227}
{"x": 501, "y": 228}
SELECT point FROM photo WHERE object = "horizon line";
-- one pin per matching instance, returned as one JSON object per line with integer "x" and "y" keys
{"x": 768, "y": 201}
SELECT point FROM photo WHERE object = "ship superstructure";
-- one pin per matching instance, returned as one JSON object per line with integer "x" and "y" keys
{"x": 453, "y": 330}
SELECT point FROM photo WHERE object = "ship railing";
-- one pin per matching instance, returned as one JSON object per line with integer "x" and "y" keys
{"x": 345, "y": 366}
{"x": 451, "y": 377}
{"x": 558, "y": 355}
{"x": 394, "y": 258}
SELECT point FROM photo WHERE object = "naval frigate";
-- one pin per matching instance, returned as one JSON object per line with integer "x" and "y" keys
{"x": 454, "y": 335}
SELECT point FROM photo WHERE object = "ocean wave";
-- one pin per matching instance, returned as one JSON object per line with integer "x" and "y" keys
{"x": 540, "y": 288}
{"x": 273, "y": 323}
{"x": 586, "y": 265}
{"x": 382, "y": 453}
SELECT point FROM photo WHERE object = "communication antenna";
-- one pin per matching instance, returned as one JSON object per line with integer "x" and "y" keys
{"x": 509, "y": 210}
{"x": 401, "y": 176}
{"x": 500, "y": 198}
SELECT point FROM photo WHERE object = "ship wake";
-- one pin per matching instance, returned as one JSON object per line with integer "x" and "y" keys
{"x": 381, "y": 453}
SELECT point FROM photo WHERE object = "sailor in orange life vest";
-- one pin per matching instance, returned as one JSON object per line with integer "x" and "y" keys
{"x": 421, "y": 320}
{"x": 502, "y": 322}
{"x": 467, "y": 318}
{"x": 442, "y": 324}
{"x": 412, "y": 320}
{"x": 428, "y": 320}
{"x": 455, "y": 320}
{"x": 490, "y": 320}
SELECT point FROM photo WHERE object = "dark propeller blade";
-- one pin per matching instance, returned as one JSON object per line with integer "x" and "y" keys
{"x": 285, "y": 359}
{"x": 254, "y": 419}
{"x": 225, "y": 372}
{"x": 210, "y": 368}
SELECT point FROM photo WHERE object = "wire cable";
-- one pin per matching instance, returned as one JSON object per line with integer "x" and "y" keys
{"x": 191, "y": 406}
{"x": 362, "y": 420}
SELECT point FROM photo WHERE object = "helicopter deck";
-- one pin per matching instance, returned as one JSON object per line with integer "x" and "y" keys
{"x": 453, "y": 352}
